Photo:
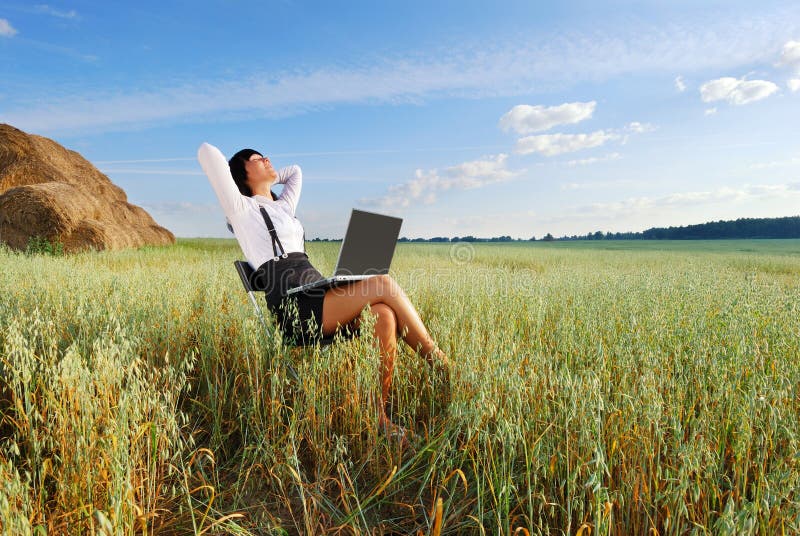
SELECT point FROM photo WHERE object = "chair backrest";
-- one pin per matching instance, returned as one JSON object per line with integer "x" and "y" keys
{"x": 245, "y": 272}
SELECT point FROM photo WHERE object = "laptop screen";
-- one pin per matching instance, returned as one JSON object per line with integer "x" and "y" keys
{"x": 369, "y": 244}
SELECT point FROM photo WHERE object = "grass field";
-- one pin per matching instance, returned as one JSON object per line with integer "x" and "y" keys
{"x": 598, "y": 388}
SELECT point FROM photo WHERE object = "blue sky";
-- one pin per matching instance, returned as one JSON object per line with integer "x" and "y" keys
{"x": 465, "y": 118}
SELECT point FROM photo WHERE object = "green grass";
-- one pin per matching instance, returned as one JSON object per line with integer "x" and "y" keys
{"x": 618, "y": 387}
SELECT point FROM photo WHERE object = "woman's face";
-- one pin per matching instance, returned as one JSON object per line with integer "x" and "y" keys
{"x": 259, "y": 170}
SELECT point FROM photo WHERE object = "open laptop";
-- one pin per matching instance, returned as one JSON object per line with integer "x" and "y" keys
{"x": 367, "y": 250}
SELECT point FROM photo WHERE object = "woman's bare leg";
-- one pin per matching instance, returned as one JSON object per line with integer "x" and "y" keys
{"x": 386, "y": 334}
{"x": 344, "y": 304}
{"x": 386, "y": 299}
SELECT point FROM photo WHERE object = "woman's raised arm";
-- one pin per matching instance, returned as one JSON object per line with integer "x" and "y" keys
{"x": 216, "y": 167}
{"x": 292, "y": 179}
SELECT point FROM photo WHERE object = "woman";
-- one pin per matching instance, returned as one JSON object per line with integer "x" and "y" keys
{"x": 272, "y": 239}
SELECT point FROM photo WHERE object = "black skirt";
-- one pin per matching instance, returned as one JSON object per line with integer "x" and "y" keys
{"x": 299, "y": 316}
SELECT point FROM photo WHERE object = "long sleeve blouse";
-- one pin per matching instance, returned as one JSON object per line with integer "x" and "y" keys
{"x": 244, "y": 213}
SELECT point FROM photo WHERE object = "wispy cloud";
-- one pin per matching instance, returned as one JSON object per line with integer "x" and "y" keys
{"x": 180, "y": 207}
{"x": 596, "y": 185}
{"x": 793, "y": 84}
{"x": 634, "y": 213}
{"x": 635, "y": 205}
{"x": 737, "y": 91}
{"x": 555, "y": 144}
{"x": 145, "y": 161}
{"x": 500, "y": 69}
{"x": 485, "y": 225}
{"x": 680, "y": 85}
{"x": 6, "y": 30}
{"x": 63, "y": 51}
{"x": 116, "y": 172}
{"x": 526, "y": 119}
{"x": 320, "y": 153}
{"x": 48, "y": 10}
{"x": 130, "y": 171}
{"x": 639, "y": 128}
{"x": 426, "y": 185}
{"x": 184, "y": 218}
{"x": 710, "y": 111}
{"x": 776, "y": 163}
{"x": 594, "y": 160}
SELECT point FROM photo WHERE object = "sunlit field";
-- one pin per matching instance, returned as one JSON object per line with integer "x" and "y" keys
{"x": 598, "y": 388}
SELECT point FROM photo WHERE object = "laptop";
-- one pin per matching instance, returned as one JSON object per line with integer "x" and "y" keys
{"x": 367, "y": 250}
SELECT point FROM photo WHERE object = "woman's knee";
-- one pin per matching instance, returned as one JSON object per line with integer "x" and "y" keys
{"x": 384, "y": 284}
{"x": 384, "y": 315}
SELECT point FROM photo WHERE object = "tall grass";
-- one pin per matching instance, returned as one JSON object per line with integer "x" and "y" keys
{"x": 594, "y": 391}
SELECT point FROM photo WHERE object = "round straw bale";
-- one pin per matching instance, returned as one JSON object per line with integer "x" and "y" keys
{"x": 51, "y": 192}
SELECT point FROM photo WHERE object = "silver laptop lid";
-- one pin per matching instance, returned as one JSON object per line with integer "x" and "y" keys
{"x": 368, "y": 245}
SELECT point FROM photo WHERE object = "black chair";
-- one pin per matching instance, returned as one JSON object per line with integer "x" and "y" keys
{"x": 246, "y": 275}
{"x": 245, "y": 272}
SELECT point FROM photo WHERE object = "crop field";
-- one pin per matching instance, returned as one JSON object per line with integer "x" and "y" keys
{"x": 597, "y": 388}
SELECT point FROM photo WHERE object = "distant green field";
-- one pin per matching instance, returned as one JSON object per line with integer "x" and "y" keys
{"x": 603, "y": 387}
{"x": 762, "y": 247}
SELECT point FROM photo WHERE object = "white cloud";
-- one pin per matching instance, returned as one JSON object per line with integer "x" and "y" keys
{"x": 680, "y": 85}
{"x": 710, "y": 111}
{"x": 790, "y": 56}
{"x": 736, "y": 91}
{"x": 593, "y": 160}
{"x": 551, "y": 61}
{"x": 6, "y": 30}
{"x": 793, "y": 84}
{"x": 525, "y": 119}
{"x": 639, "y": 128}
{"x": 425, "y": 185}
{"x": 48, "y": 10}
{"x": 477, "y": 173}
{"x": 555, "y": 144}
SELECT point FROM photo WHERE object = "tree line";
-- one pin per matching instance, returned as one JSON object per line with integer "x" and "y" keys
{"x": 786, "y": 227}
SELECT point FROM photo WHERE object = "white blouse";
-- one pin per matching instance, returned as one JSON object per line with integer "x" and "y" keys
{"x": 243, "y": 212}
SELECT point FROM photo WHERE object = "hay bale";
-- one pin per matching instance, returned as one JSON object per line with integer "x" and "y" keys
{"x": 54, "y": 193}
{"x": 49, "y": 210}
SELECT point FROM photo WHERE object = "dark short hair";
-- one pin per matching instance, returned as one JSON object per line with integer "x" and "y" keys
{"x": 239, "y": 173}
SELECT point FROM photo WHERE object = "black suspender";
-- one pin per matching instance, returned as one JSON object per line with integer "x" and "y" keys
{"x": 276, "y": 243}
